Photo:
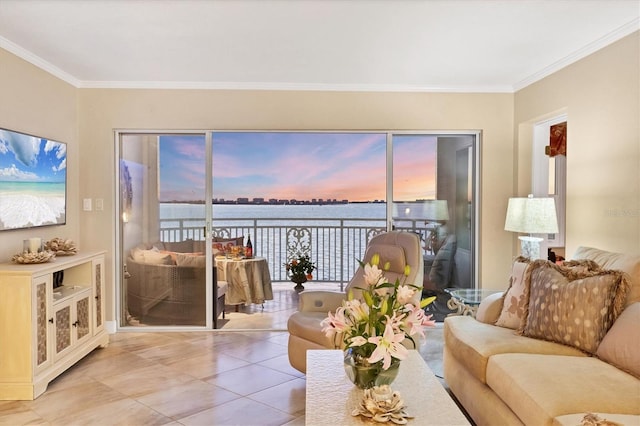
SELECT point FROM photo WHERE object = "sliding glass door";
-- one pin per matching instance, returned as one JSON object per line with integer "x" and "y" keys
{"x": 166, "y": 276}
{"x": 186, "y": 197}
{"x": 433, "y": 194}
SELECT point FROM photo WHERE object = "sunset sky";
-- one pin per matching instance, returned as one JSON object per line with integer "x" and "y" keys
{"x": 298, "y": 166}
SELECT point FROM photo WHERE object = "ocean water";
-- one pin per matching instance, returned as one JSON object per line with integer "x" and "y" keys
{"x": 251, "y": 211}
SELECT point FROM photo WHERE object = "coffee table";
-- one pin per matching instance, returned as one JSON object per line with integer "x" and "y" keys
{"x": 331, "y": 397}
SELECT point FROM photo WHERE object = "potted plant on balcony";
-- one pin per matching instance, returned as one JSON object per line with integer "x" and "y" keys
{"x": 299, "y": 270}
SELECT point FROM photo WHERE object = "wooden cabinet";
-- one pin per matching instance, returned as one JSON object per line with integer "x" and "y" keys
{"x": 45, "y": 330}
{"x": 72, "y": 322}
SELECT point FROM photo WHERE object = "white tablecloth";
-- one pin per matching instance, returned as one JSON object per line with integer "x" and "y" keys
{"x": 249, "y": 280}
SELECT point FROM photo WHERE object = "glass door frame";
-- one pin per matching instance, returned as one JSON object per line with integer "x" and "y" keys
{"x": 475, "y": 190}
{"x": 118, "y": 248}
{"x": 209, "y": 135}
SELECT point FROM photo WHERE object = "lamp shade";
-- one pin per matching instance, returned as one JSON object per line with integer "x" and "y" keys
{"x": 531, "y": 216}
{"x": 431, "y": 210}
{"x": 437, "y": 210}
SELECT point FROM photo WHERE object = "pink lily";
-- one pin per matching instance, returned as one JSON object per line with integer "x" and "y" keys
{"x": 388, "y": 345}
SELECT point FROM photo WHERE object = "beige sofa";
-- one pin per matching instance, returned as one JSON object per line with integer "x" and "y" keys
{"x": 503, "y": 376}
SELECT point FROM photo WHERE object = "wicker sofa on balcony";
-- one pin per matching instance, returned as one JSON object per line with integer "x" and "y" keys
{"x": 167, "y": 281}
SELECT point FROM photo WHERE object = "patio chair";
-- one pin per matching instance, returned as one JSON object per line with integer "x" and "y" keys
{"x": 397, "y": 247}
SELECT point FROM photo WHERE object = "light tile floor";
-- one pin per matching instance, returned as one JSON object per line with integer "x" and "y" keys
{"x": 186, "y": 378}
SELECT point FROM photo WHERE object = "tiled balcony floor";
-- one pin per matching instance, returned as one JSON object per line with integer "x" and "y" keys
{"x": 186, "y": 378}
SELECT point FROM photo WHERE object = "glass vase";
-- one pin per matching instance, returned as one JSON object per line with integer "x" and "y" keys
{"x": 365, "y": 375}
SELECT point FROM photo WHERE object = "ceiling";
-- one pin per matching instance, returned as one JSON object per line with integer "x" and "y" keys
{"x": 370, "y": 45}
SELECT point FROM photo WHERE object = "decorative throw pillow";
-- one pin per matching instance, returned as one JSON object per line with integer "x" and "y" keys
{"x": 621, "y": 345}
{"x": 237, "y": 241}
{"x": 223, "y": 247}
{"x": 582, "y": 265}
{"x": 155, "y": 257}
{"x": 515, "y": 299}
{"x": 575, "y": 308}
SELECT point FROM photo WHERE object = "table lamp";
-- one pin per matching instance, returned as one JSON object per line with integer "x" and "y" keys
{"x": 531, "y": 216}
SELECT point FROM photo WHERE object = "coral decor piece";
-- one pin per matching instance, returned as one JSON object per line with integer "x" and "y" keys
{"x": 591, "y": 419}
{"x": 382, "y": 404}
{"x": 61, "y": 247}
{"x": 28, "y": 257}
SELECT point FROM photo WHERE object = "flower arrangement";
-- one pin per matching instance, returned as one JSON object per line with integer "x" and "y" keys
{"x": 300, "y": 266}
{"x": 375, "y": 327}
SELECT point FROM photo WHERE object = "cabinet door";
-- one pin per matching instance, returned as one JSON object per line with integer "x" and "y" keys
{"x": 82, "y": 323}
{"x": 98, "y": 294}
{"x": 62, "y": 320}
{"x": 41, "y": 318}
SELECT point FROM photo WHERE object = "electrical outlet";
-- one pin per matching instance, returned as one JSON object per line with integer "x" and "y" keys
{"x": 99, "y": 204}
{"x": 86, "y": 204}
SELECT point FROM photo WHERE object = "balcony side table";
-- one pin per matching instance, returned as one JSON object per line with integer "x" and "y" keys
{"x": 465, "y": 301}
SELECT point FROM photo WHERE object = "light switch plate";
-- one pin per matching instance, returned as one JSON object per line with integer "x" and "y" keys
{"x": 99, "y": 204}
{"x": 86, "y": 204}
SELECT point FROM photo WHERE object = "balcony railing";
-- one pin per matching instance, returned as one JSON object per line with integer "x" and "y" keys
{"x": 335, "y": 245}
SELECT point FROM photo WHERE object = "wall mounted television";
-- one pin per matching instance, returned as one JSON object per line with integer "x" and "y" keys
{"x": 33, "y": 181}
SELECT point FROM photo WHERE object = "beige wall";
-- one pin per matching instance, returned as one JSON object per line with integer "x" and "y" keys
{"x": 601, "y": 97}
{"x": 103, "y": 110}
{"x": 37, "y": 103}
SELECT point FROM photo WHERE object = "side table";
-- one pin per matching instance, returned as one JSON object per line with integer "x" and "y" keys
{"x": 465, "y": 301}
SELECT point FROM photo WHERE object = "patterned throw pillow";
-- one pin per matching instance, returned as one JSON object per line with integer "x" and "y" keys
{"x": 572, "y": 307}
{"x": 514, "y": 300}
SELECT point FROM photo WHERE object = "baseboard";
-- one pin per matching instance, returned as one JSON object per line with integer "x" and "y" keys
{"x": 111, "y": 327}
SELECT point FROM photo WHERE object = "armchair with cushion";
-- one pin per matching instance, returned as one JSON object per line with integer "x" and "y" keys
{"x": 305, "y": 332}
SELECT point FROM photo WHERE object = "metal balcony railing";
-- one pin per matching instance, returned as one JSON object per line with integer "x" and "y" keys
{"x": 335, "y": 245}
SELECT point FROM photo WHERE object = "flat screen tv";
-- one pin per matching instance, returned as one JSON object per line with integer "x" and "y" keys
{"x": 33, "y": 181}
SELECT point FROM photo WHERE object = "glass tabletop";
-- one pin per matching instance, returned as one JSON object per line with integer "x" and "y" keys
{"x": 470, "y": 296}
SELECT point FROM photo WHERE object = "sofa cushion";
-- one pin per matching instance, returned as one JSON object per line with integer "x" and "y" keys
{"x": 621, "y": 345}
{"x": 192, "y": 260}
{"x": 514, "y": 300}
{"x": 580, "y": 384}
{"x": 474, "y": 342}
{"x": 151, "y": 257}
{"x": 617, "y": 261}
{"x": 572, "y": 307}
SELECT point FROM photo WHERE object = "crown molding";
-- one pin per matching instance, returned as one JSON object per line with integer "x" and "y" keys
{"x": 604, "y": 41}
{"x": 587, "y": 50}
{"x": 188, "y": 85}
{"x": 38, "y": 61}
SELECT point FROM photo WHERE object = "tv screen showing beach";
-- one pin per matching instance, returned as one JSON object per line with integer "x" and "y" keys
{"x": 33, "y": 178}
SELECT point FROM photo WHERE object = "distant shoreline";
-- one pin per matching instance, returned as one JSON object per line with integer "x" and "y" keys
{"x": 283, "y": 202}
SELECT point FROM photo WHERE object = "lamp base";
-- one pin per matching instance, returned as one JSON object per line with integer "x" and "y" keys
{"x": 530, "y": 247}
